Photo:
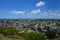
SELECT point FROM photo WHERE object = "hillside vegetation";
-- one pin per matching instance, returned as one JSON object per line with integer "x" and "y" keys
{"x": 13, "y": 34}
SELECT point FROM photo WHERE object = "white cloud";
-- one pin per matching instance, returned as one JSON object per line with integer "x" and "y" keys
{"x": 17, "y": 12}
{"x": 40, "y": 4}
{"x": 35, "y": 11}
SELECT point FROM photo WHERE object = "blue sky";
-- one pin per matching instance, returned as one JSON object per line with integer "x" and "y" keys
{"x": 33, "y": 9}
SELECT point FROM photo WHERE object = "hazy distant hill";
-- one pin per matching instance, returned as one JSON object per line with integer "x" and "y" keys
{"x": 33, "y": 19}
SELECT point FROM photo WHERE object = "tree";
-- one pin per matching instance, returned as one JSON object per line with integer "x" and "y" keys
{"x": 10, "y": 31}
{"x": 51, "y": 34}
{"x": 39, "y": 29}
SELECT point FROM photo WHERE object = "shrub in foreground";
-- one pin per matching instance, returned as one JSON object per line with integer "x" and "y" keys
{"x": 32, "y": 36}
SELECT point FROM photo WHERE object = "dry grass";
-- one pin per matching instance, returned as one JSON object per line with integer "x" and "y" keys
{"x": 6, "y": 38}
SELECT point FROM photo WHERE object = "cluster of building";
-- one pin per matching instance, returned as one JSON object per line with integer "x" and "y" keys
{"x": 30, "y": 25}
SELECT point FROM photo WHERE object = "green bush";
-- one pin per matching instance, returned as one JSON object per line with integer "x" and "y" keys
{"x": 32, "y": 36}
{"x": 9, "y": 31}
{"x": 51, "y": 34}
{"x": 58, "y": 34}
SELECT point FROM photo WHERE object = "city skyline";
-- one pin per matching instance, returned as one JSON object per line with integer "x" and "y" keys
{"x": 31, "y": 9}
